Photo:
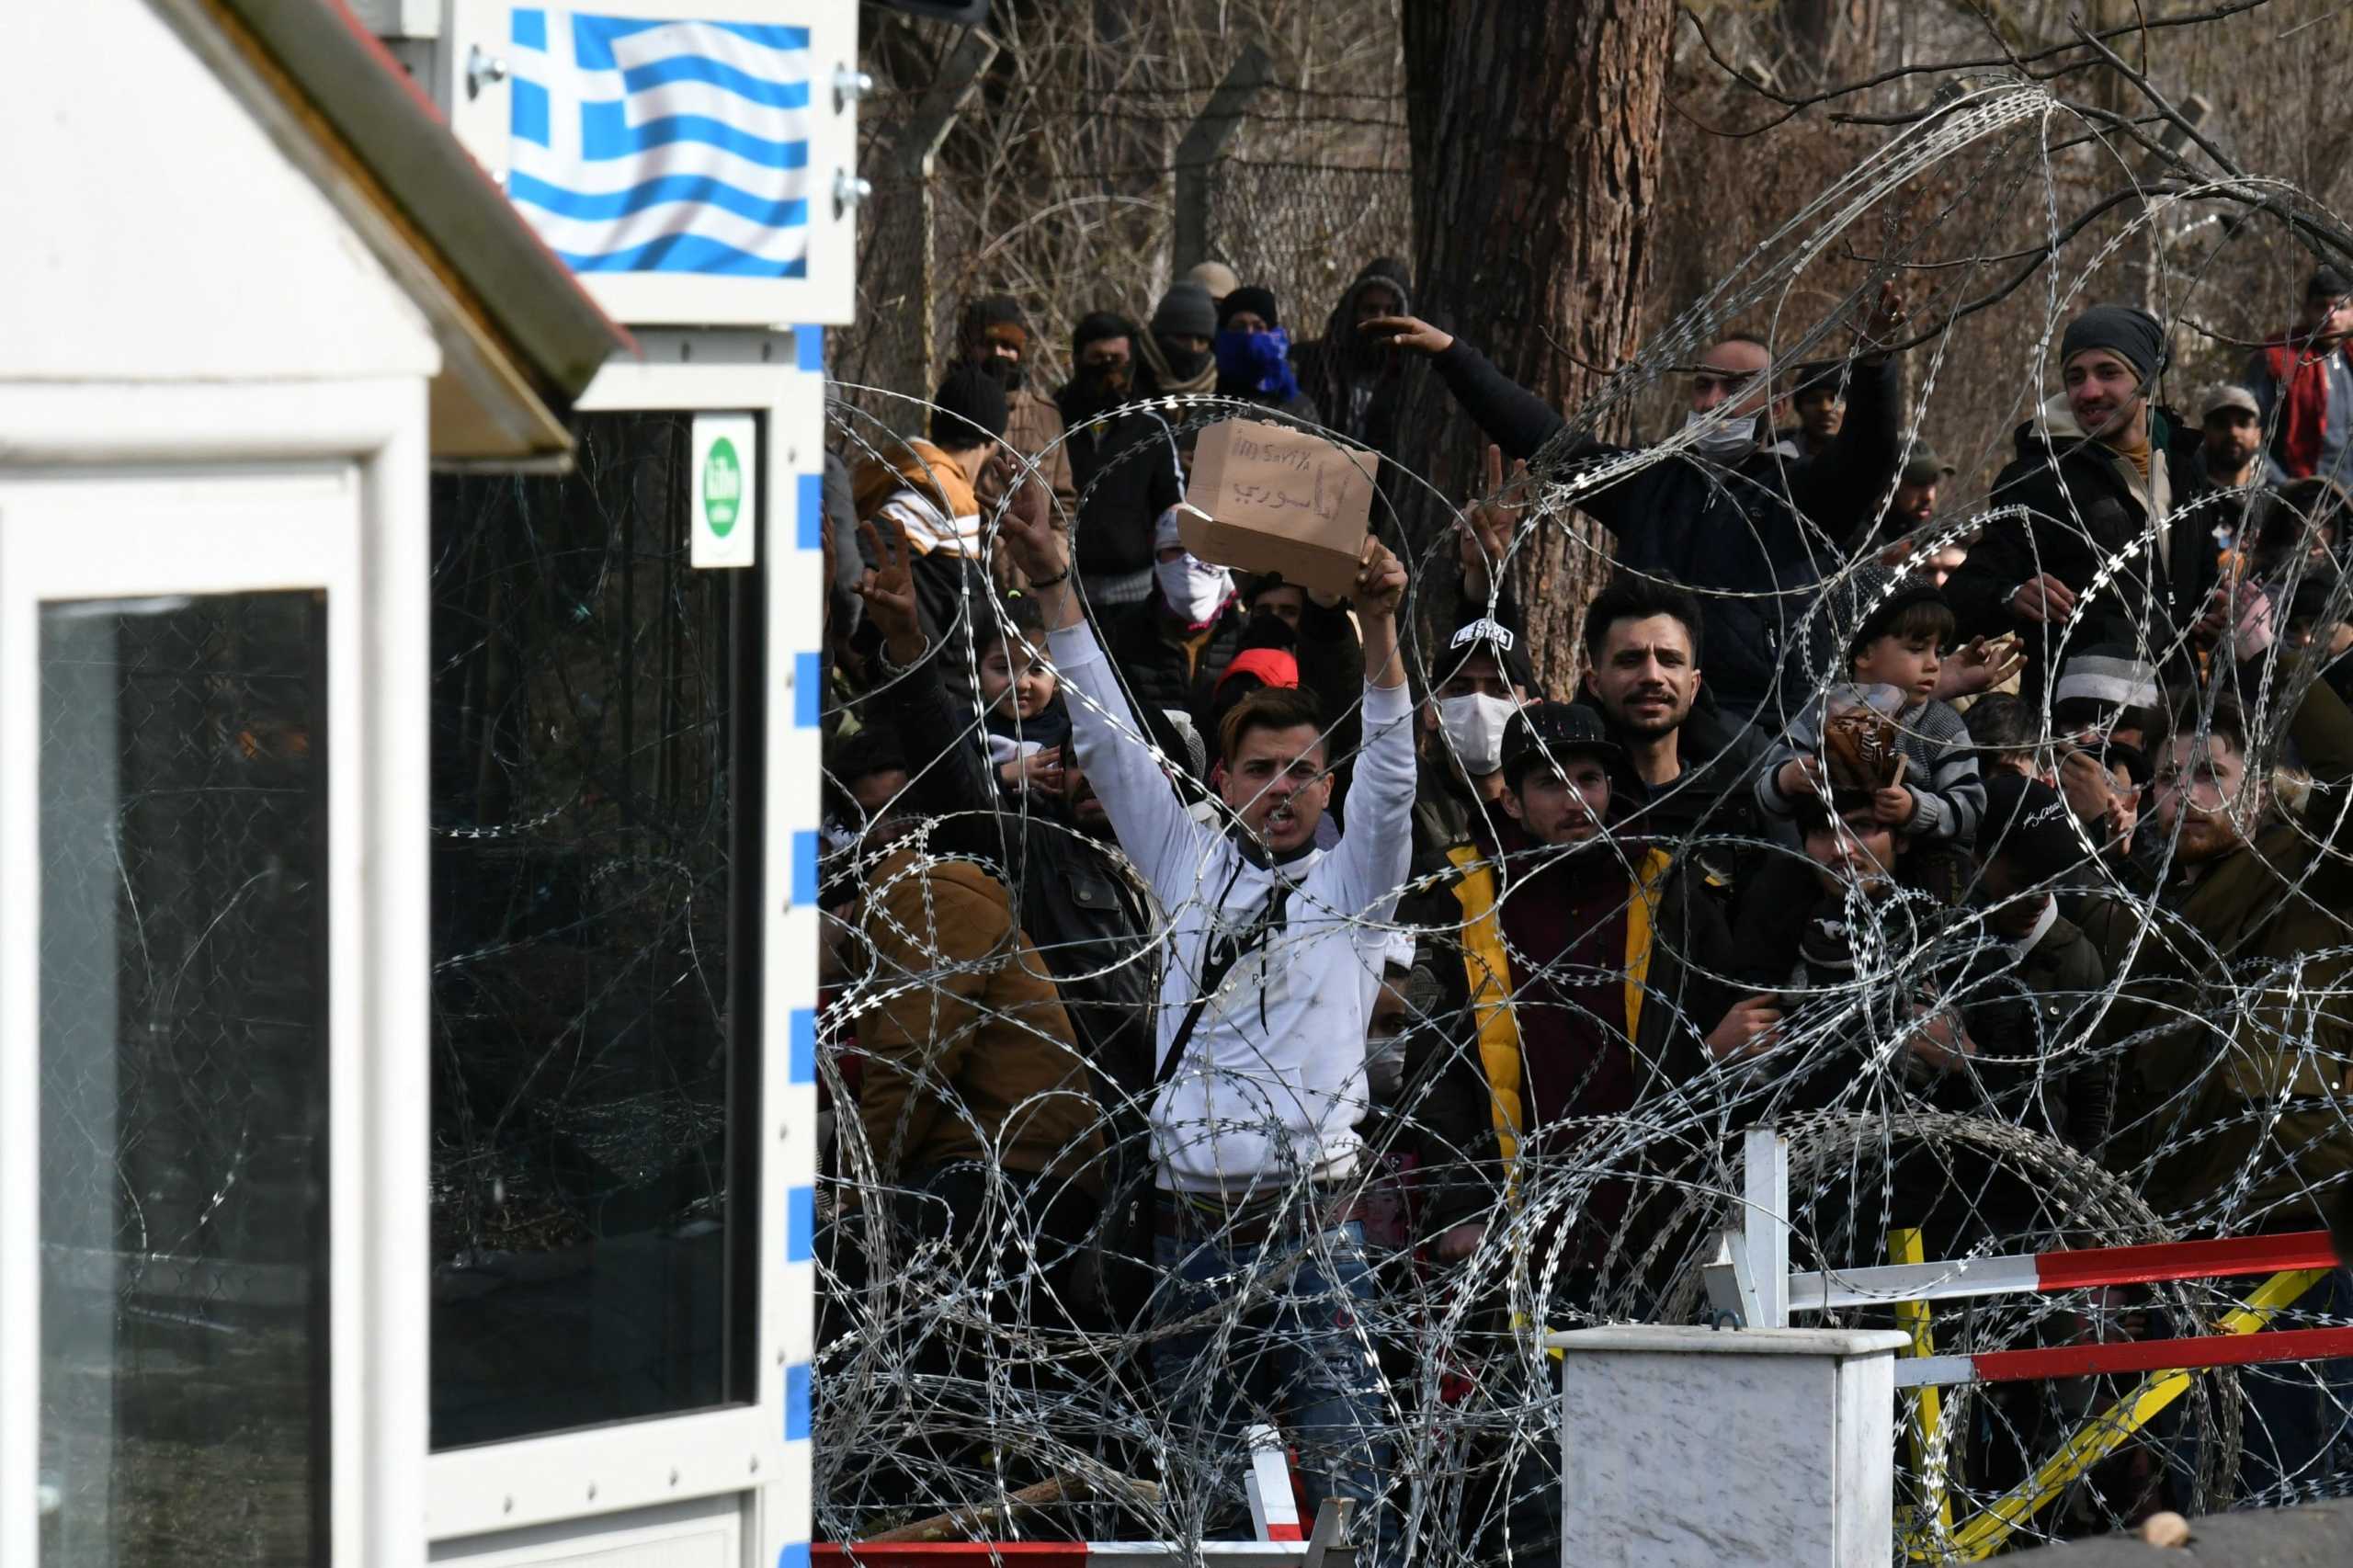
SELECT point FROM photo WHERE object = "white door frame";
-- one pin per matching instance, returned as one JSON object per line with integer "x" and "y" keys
{"x": 758, "y": 1452}
{"x": 220, "y": 488}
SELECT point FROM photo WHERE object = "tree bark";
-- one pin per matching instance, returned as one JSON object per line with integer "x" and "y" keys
{"x": 1535, "y": 127}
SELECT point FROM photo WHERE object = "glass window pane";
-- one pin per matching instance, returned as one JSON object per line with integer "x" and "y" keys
{"x": 590, "y": 879}
{"x": 184, "y": 1080}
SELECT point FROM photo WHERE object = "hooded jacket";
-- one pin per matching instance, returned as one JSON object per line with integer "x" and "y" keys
{"x": 1752, "y": 536}
{"x": 2086, "y": 505}
{"x": 1358, "y": 391}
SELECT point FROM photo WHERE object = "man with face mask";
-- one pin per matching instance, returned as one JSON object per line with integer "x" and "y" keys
{"x": 1253, "y": 355}
{"x": 1747, "y": 529}
{"x": 995, "y": 335}
{"x": 1171, "y": 648}
{"x": 1123, "y": 458}
{"x": 1480, "y": 680}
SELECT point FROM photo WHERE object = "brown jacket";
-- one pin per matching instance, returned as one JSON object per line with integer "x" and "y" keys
{"x": 2233, "y": 1013}
{"x": 970, "y": 1055}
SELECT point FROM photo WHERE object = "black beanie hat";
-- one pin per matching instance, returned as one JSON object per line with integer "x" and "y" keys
{"x": 2128, "y": 332}
{"x": 1258, "y": 301}
{"x": 1096, "y": 325}
{"x": 2328, "y": 281}
{"x": 969, "y": 408}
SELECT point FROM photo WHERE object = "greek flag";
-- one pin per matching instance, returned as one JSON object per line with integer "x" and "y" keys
{"x": 663, "y": 146}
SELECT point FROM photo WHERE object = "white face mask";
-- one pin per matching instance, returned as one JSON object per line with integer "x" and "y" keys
{"x": 1474, "y": 727}
{"x": 1728, "y": 440}
{"x": 1191, "y": 586}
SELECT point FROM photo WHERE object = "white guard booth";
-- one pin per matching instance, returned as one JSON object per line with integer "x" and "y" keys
{"x": 409, "y": 690}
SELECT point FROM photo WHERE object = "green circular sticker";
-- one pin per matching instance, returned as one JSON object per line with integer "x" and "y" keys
{"x": 722, "y": 487}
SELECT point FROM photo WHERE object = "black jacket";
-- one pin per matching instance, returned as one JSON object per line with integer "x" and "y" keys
{"x": 1710, "y": 808}
{"x": 1154, "y": 668}
{"x": 1126, "y": 474}
{"x": 1753, "y": 537}
{"x": 2081, "y": 512}
{"x": 1084, "y": 910}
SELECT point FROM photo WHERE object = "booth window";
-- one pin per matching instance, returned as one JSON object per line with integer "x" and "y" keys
{"x": 184, "y": 1080}
{"x": 596, "y": 900}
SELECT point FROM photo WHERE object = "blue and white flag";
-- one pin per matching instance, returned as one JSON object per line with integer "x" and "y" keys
{"x": 656, "y": 146}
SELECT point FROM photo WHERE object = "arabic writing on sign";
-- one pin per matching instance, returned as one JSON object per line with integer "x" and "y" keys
{"x": 1277, "y": 500}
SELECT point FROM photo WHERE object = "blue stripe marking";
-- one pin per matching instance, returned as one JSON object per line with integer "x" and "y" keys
{"x": 593, "y": 37}
{"x": 529, "y": 120}
{"x": 795, "y": 1555}
{"x": 799, "y": 1225}
{"x": 701, "y": 188}
{"x": 719, "y": 73}
{"x": 796, "y": 1402}
{"x": 686, "y": 253}
{"x": 530, "y": 29}
{"x": 808, "y": 689}
{"x": 800, "y": 1057}
{"x": 804, "y": 866}
{"x": 606, "y": 134}
{"x": 809, "y": 501}
{"x": 809, "y": 342}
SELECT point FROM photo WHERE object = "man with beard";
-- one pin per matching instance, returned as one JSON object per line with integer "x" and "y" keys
{"x": 2236, "y": 1052}
{"x": 1122, "y": 460}
{"x": 1678, "y": 771}
{"x": 2229, "y": 459}
{"x": 2088, "y": 507}
{"x": 995, "y": 335}
{"x": 2302, "y": 382}
{"x": 1274, "y": 949}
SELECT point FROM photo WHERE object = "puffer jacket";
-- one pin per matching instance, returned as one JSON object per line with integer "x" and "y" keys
{"x": 2085, "y": 507}
{"x": 1752, "y": 536}
{"x": 1158, "y": 675}
{"x": 2233, "y": 1012}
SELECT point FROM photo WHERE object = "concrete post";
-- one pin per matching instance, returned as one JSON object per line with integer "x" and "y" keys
{"x": 1694, "y": 1447}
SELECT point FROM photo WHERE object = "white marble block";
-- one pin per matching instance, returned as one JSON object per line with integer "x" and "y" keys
{"x": 1696, "y": 1448}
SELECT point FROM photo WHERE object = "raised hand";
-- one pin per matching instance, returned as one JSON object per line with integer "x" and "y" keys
{"x": 1980, "y": 666}
{"x": 888, "y": 590}
{"x": 1483, "y": 535}
{"x": 1026, "y": 530}
{"x": 1411, "y": 333}
{"x": 1381, "y": 581}
{"x": 2042, "y": 600}
{"x": 1041, "y": 770}
{"x": 1748, "y": 1029}
{"x": 1886, "y": 319}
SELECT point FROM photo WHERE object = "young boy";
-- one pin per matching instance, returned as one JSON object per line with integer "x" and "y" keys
{"x": 1888, "y": 733}
{"x": 1021, "y": 710}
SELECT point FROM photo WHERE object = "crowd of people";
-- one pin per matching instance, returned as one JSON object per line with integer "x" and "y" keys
{"x": 1214, "y": 956}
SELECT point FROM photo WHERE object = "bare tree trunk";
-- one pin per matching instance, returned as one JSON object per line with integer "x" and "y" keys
{"x": 1535, "y": 128}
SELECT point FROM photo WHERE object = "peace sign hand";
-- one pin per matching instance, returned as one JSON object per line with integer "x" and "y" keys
{"x": 888, "y": 590}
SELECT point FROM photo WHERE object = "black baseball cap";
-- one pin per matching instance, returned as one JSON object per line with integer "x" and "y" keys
{"x": 2028, "y": 820}
{"x": 1507, "y": 646}
{"x": 1553, "y": 730}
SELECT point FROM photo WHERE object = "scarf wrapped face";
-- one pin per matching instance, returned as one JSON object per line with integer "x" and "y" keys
{"x": 1258, "y": 362}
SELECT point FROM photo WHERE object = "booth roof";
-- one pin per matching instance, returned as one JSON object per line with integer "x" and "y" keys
{"x": 521, "y": 338}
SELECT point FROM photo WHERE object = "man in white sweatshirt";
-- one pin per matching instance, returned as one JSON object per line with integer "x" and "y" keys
{"x": 1275, "y": 952}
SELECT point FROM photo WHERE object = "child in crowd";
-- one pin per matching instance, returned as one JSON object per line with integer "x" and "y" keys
{"x": 1890, "y": 735}
{"x": 1021, "y": 708}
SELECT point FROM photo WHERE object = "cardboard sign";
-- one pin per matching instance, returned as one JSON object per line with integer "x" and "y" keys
{"x": 1271, "y": 498}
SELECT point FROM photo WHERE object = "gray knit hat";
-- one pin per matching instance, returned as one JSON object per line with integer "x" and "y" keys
{"x": 1185, "y": 310}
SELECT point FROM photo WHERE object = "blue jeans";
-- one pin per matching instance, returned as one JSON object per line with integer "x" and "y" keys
{"x": 1276, "y": 1331}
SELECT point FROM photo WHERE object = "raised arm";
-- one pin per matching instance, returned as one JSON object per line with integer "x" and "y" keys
{"x": 1375, "y": 849}
{"x": 1513, "y": 418}
{"x": 1153, "y": 824}
{"x": 947, "y": 766}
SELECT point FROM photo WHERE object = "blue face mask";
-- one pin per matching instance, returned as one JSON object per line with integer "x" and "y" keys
{"x": 1258, "y": 360}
